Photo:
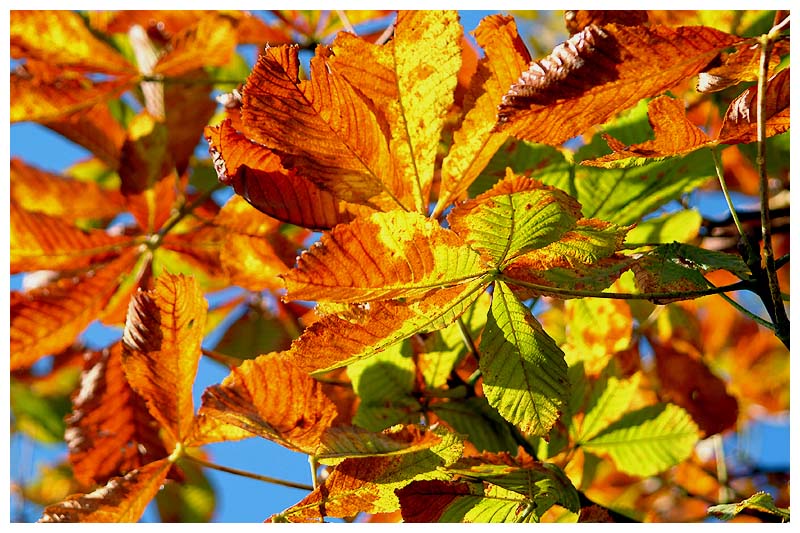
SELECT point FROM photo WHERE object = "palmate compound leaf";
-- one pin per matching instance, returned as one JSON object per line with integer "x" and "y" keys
{"x": 321, "y": 127}
{"x": 161, "y": 349}
{"x": 48, "y": 319}
{"x": 475, "y": 142}
{"x": 388, "y": 255}
{"x": 257, "y": 174}
{"x": 368, "y": 484}
{"x": 43, "y": 242}
{"x": 109, "y": 432}
{"x": 410, "y": 81}
{"x": 334, "y": 341}
{"x": 122, "y": 499}
{"x": 269, "y": 397}
{"x": 601, "y": 71}
{"x": 517, "y": 215}
{"x": 524, "y": 372}
{"x": 647, "y": 441}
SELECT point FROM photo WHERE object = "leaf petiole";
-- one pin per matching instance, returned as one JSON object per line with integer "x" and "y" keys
{"x": 251, "y": 475}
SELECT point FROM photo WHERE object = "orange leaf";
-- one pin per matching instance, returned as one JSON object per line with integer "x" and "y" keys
{"x": 475, "y": 142}
{"x": 62, "y": 38}
{"x": 110, "y": 431}
{"x": 42, "y": 242}
{"x": 742, "y": 65}
{"x": 269, "y": 397}
{"x": 210, "y": 42}
{"x": 95, "y": 129}
{"x": 333, "y": 341}
{"x": 579, "y": 19}
{"x": 51, "y": 99}
{"x": 48, "y": 319}
{"x": 39, "y": 191}
{"x": 740, "y": 124}
{"x": 674, "y": 135}
{"x": 388, "y": 255}
{"x": 188, "y": 108}
{"x": 600, "y": 72}
{"x": 161, "y": 349}
{"x": 123, "y": 499}
{"x": 257, "y": 174}
{"x": 321, "y": 127}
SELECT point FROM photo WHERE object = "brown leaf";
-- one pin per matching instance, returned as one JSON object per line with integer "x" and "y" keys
{"x": 43, "y": 242}
{"x": 578, "y": 20}
{"x": 600, "y": 72}
{"x": 188, "y": 107}
{"x": 161, "y": 349}
{"x": 95, "y": 129}
{"x": 110, "y": 432}
{"x": 740, "y": 66}
{"x": 123, "y": 499}
{"x": 426, "y": 501}
{"x": 269, "y": 397}
{"x": 48, "y": 319}
{"x": 740, "y": 124}
{"x": 689, "y": 383}
{"x": 257, "y": 174}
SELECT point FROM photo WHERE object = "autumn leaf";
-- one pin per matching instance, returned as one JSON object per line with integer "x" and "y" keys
{"x": 388, "y": 255}
{"x": 161, "y": 350}
{"x": 94, "y": 128}
{"x": 210, "y": 42}
{"x": 340, "y": 443}
{"x": 740, "y": 66}
{"x": 122, "y": 499}
{"x": 601, "y": 71}
{"x": 578, "y": 20}
{"x": 269, "y": 397}
{"x": 109, "y": 432}
{"x": 48, "y": 319}
{"x": 740, "y": 123}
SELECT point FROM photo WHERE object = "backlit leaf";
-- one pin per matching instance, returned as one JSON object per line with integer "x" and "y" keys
{"x": 39, "y": 242}
{"x": 258, "y": 176}
{"x": 321, "y": 127}
{"x": 48, "y": 319}
{"x": 682, "y": 226}
{"x": 760, "y": 501}
{"x": 109, "y": 432}
{"x": 188, "y": 106}
{"x": 122, "y": 499}
{"x": 161, "y": 349}
{"x": 601, "y": 71}
{"x": 479, "y": 422}
{"x": 62, "y": 38}
{"x": 388, "y": 255}
{"x": 524, "y": 373}
{"x": 340, "y": 443}
{"x": 333, "y": 341}
{"x": 609, "y": 400}
{"x": 36, "y": 415}
{"x": 578, "y": 20}
{"x": 95, "y": 129}
{"x": 740, "y": 124}
{"x": 269, "y": 397}
{"x": 597, "y": 329}
{"x": 369, "y": 484}
{"x": 411, "y": 81}
{"x": 647, "y": 441}
{"x": 192, "y": 500}
{"x": 475, "y": 142}
{"x": 592, "y": 278}
{"x": 742, "y": 65}
{"x": 515, "y": 216}
{"x": 210, "y": 42}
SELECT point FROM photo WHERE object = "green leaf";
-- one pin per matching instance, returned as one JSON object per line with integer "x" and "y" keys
{"x": 384, "y": 383}
{"x": 39, "y": 416}
{"x": 454, "y": 502}
{"x": 760, "y": 502}
{"x": 609, "y": 400}
{"x": 524, "y": 372}
{"x": 701, "y": 259}
{"x": 647, "y": 441}
{"x": 190, "y": 501}
{"x": 681, "y": 227}
{"x": 255, "y": 333}
{"x": 517, "y": 215}
{"x": 479, "y": 422}
{"x": 344, "y": 442}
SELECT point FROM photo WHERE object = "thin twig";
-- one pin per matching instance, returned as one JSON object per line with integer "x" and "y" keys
{"x": 747, "y": 313}
{"x": 725, "y": 493}
{"x": 346, "y": 21}
{"x": 387, "y": 33}
{"x": 721, "y": 177}
{"x": 243, "y": 473}
{"x": 227, "y": 360}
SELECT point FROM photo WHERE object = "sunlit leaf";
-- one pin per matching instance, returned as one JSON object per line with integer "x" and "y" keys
{"x": 50, "y": 484}
{"x": 760, "y": 502}
{"x": 258, "y": 176}
{"x": 210, "y": 42}
{"x": 369, "y": 484}
{"x": 740, "y": 66}
{"x": 109, "y": 432}
{"x": 479, "y": 423}
{"x": 340, "y": 443}
{"x": 524, "y": 373}
{"x": 647, "y": 441}
{"x": 515, "y": 216}
{"x": 682, "y": 226}
{"x": 40, "y": 241}
{"x": 333, "y": 341}
{"x": 192, "y": 500}
{"x": 740, "y": 124}
{"x": 388, "y": 255}
{"x": 601, "y": 71}
{"x": 161, "y": 349}
{"x": 122, "y": 499}
{"x": 608, "y": 402}
{"x": 269, "y": 397}
{"x": 48, "y": 319}
{"x": 62, "y": 38}
{"x": 188, "y": 106}
{"x": 598, "y": 329}
{"x": 475, "y": 142}
{"x": 595, "y": 277}
{"x": 457, "y": 501}
{"x": 36, "y": 415}
{"x": 411, "y": 81}
{"x": 256, "y": 332}
{"x": 94, "y": 128}
{"x": 578, "y": 20}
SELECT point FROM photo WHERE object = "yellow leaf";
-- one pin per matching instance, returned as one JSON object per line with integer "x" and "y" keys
{"x": 210, "y": 42}
{"x": 162, "y": 338}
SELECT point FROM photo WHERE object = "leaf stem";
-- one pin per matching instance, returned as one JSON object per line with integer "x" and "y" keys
{"x": 715, "y": 154}
{"x": 467, "y": 338}
{"x": 778, "y": 313}
{"x": 227, "y": 360}
{"x": 685, "y": 295}
{"x": 243, "y": 473}
{"x": 747, "y": 313}
{"x": 313, "y": 464}
{"x": 184, "y": 210}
